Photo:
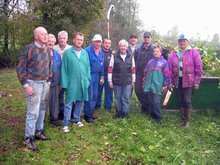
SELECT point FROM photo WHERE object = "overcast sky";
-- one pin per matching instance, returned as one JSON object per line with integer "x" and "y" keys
{"x": 196, "y": 18}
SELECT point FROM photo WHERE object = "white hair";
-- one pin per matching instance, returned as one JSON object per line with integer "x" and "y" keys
{"x": 52, "y": 36}
{"x": 38, "y": 29}
{"x": 123, "y": 41}
{"x": 63, "y": 33}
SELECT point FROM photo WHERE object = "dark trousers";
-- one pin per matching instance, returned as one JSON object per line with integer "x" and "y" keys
{"x": 154, "y": 105}
{"x": 54, "y": 103}
{"x": 61, "y": 104}
{"x": 184, "y": 96}
{"x": 142, "y": 97}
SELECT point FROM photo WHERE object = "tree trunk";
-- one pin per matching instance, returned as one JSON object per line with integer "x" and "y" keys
{"x": 5, "y": 48}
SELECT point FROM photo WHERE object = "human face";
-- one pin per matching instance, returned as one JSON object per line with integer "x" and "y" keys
{"x": 133, "y": 41}
{"x": 97, "y": 44}
{"x": 157, "y": 52}
{"x": 147, "y": 40}
{"x": 183, "y": 44}
{"x": 106, "y": 44}
{"x": 50, "y": 42}
{"x": 78, "y": 41}
{"x": 41, "y": 36}
{"x": 62, "y": 39}
{"x": 123, "y": 48}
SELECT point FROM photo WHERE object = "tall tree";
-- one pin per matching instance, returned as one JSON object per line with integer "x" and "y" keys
{"x": 8, "y": 9}
{"x": 69, "y": 15}
{"x": 123, "y": 21}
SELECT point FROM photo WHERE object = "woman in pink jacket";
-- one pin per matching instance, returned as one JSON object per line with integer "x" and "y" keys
{"x": 186, "y": 72}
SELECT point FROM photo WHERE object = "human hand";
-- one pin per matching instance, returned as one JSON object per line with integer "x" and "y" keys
{"x": 165, "y": 89}
{"x": 133, "y": 84}
{"x": 195, "y": 87}
{"x": 110, "y": 84}
{"x": 170, "y": 87}
{"x": 28, "y": 90}
{"x": 101, "y": 81}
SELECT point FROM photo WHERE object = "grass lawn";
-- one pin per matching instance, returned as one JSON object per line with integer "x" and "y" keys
{"x": 136, "y": 140}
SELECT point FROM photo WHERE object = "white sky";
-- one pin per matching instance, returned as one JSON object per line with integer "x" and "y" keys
{"x": 195, "y": 18}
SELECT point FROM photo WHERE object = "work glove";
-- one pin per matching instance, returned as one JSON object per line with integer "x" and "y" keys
{"x": 101, "y": 81}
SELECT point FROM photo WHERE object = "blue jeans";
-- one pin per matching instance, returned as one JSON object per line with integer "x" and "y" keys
{"x": 122, "y": 99}
{"x": 68, "y": 111}
{"x": 108, "y": 94}
{"x": 89, "y": 106}
{"x": 154, "y": 105}
{"x": 36, "y": 107}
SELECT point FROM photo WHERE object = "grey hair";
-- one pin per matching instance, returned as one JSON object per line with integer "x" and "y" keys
{"x": 52, "y": 36}
{"x": 63, "y": 33}
{"x": 121, "y": 41}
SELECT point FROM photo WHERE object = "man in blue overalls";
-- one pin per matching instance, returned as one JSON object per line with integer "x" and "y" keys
{"x": 96, "y": 57}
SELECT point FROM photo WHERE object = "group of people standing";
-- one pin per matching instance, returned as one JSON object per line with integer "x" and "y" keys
{"x": 72, "y": 78}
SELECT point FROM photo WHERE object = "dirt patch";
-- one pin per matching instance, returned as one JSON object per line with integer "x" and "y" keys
{"x": 10, "y": 119}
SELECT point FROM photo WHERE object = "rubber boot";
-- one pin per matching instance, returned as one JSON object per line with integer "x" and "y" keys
{"x": 187, "y": 117}
{"x": 182, "y": 116}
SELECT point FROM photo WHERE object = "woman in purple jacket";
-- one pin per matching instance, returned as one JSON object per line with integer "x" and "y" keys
{"x": 186, "y": 72}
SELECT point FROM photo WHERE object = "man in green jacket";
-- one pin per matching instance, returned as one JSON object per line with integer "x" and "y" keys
{"x": 75, "y": 80}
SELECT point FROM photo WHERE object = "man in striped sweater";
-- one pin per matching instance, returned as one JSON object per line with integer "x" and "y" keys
{"x": 34, "y": 71}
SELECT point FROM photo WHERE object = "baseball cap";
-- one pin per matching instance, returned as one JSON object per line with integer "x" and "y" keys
{"x": 97, "y": 37}
{"x": 147, "y": 34}
{"x": 133, "y": 35}
{"x": 182, "y": 37}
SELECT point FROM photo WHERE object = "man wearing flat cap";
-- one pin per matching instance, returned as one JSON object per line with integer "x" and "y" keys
{"x": 142, "y": 55}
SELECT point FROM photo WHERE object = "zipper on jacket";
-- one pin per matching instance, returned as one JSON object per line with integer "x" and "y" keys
{"x": 153, "y": 73}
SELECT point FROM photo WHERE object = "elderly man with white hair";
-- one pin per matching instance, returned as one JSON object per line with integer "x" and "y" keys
{"x": 121, "y": 77}
{"x": 61, "y": 47}
{"x": 55, "y": 82}
{"x": 34, "y": 71}
{"x": 62, "y": 42}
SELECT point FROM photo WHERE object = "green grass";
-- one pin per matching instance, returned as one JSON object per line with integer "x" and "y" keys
{"x": 137, "y": 140}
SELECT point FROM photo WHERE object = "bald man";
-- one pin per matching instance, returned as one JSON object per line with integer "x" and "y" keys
{"x": 34, "y": 72}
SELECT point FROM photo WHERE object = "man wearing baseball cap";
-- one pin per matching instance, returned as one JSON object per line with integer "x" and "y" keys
{"x": 186, "y": 72}
{"x": 142, "y": 55}
{"x": 96, "y": 57}
{"x": 133, "y": 43}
